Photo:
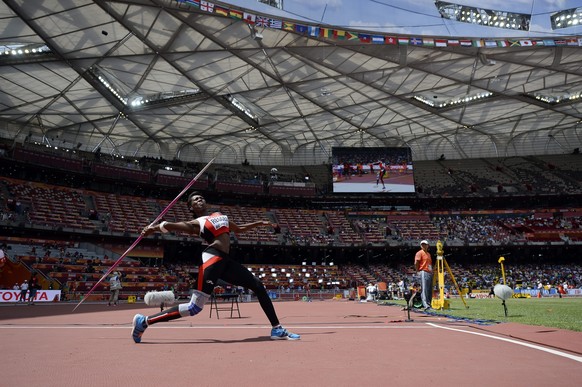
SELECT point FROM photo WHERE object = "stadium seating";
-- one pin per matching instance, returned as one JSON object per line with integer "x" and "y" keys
{"x": 53, "y": 209}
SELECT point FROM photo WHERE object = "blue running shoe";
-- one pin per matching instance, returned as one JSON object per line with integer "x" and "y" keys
{"x": 283, "y": 334}
{"x": 139, "y": 326}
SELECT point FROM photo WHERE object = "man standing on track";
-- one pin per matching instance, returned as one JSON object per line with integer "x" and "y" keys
{"x": 216, "y": 264}
{"x": 423, "y": 265}
{"x": 114, "y": 288}
{"x": 23, "y": 291}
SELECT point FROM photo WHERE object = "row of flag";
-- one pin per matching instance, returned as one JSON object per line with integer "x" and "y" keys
{"x": 332, "y": 33}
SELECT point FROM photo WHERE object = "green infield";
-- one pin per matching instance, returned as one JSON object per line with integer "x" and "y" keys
{"x": 564, "y": 313}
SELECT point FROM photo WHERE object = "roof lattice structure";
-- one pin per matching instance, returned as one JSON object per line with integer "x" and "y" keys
{"x": 305, "y": 91}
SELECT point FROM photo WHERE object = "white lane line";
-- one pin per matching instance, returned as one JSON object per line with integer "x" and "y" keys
{"x": 534, "y": 346}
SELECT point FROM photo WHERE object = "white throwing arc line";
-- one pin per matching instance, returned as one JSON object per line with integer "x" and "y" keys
{"x": 534, "y": 346}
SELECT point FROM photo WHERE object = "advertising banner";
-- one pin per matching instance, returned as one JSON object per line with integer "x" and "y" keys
{"x": 41, "y": 295}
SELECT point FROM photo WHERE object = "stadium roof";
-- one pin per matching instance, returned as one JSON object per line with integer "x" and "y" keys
{"x": 182, "y": 80}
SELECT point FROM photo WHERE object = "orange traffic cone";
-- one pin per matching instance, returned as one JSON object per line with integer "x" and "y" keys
{"x": 540, "y": 294}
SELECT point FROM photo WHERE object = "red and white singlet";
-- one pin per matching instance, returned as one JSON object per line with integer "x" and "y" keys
{"x": 212, "y": 226}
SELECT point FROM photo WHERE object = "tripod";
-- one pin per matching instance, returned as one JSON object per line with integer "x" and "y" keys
{"x": 441, "y": 303}
{"x": 409, "y": 304}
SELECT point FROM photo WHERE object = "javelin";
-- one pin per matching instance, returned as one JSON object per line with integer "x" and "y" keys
{"x": 160, "y": 216}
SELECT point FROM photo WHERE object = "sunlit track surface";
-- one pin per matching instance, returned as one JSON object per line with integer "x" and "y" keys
{"x": 343, "y": 343}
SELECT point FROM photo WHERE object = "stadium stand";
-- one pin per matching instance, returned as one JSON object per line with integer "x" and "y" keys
{"x": 370, "y": 239}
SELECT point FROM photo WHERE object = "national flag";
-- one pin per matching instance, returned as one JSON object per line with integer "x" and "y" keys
{"x": 313, "y": 31}
{"x": 207, "y": 6}
{"x": 490, "y": 43}
{"x": 560, "y": 42}
{"x": 377, "y": 39}
{"x": 275, "y": 23}
{"x": 235, "y": 14}
{"x": 351, "y": 35}
{"x": 288, "y": 26}
{"x": 478, "y": 43}
{"x": 390, "y": 40}
{"x": 339, "y": 34}
{"x": 416, "y": 41}
{"x": 580, "y": 41}
{"x": 325, "y": 32}
{"x": 514, "y": 43}
{"x": 194, "y": 3}
{"x": 440, "y": 43}
{"x": 300, "y": 28}
{"x": 403, "y": 41}
{"x": 428, "y": 42}
{"x": 572, "y": 42}
{"x": 221, "y": 11}
{"x": 261, "y": 21}
{"x": 525, "y": 43}
{"x": 249, "y": 18}
{"x": 466, "y": 43}
{"x": 549, "y": 42}
{"x": 453, "y": 42}
{"x": 502, "y": 43}
{"x": 365, "y": 38}
{"x": 538, "y": 42}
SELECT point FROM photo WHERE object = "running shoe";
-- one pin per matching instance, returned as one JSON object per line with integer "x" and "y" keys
{"x": 139, "y": 326}
{"x": 283, "y": 334}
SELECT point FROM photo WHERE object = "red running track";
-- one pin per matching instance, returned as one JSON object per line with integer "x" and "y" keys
{"x": 344, "y": 343}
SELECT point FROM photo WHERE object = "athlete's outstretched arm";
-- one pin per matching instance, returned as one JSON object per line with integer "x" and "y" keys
{"x": 191, "y": 227}
{"x": 248, "y": 226}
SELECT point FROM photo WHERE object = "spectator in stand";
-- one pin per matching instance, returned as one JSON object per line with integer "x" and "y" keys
{"x": 216, "y": 264}
{"x": 23, "y": 291}
{"x": 423, "y": 265}
{"x": 90, "y": 268}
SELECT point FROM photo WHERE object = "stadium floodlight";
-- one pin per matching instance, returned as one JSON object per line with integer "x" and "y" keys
{"x": 24, "y": 49}
{"x": 248, "y": 111}
{"x": 567, "y": 18}
{"x": 21, "y": 53}
{"x": 466, "y": 99}
{"x": 135, "y": 101}
{"x": 166, "y": 98}
{"x": 241, "y": 107}
{"x": 484, "y": 17}
{"x": 109, "y": 82}
{"x": 555, "y": 98}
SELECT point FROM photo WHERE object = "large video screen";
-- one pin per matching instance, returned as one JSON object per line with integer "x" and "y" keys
{"x": 381, "y": 170}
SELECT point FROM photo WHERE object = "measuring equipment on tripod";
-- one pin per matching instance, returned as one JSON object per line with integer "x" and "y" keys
{"x": 502, "y": 291}
{"x": 441, "y": 264}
